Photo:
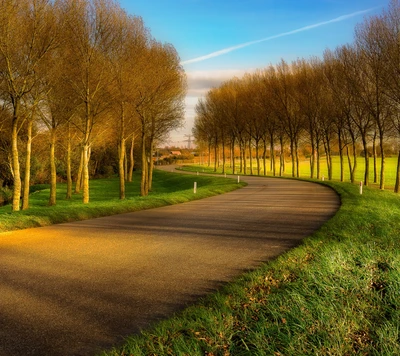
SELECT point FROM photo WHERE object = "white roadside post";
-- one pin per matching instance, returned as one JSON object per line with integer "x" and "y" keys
{"x": 195, "y": 188}
{"x": 238, "y": 179}
{"x": 361, "y": 185}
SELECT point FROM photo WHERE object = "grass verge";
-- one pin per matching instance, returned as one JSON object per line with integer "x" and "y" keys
{"x": 336, "y": 294}
{"x": 168, "y": 188}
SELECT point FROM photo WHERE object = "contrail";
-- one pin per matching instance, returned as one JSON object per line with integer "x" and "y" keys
{"x": 302, "y": 29}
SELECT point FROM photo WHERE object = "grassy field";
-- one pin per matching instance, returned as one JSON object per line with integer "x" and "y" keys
{"x": 336, "y": 294}
{"x": 168, "y": 188}
{"x": 304, "y": 168}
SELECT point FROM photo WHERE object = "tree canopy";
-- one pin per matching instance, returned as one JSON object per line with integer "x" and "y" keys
{"x": 345, "y": 103}
{"x": 81, "y": 76}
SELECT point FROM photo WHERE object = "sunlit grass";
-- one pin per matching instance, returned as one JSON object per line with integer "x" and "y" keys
{"x": 168, "y": 188}
{"x": 304, "y": 169}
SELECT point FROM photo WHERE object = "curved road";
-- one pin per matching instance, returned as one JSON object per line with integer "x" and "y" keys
{"x": 77, "y": 288}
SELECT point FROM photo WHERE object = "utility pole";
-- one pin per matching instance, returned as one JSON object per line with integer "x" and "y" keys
{"x": 189, "y": 140}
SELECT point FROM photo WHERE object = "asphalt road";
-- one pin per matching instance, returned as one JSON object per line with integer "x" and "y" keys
{"x": 77, "y": 288}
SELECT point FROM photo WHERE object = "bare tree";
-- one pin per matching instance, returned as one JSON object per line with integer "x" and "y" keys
{"x": 129, "y": 47}
{"x": 159, "y": 95}
{"x": 88, "y": 33}
{"x": 368, "y": 38}
{"x": 378, "y": 37}
{"x": 284, "y": 91}
{"x": 26, "y": 37}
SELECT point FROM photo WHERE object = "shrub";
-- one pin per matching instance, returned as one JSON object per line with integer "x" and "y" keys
{"x": 5, "y": 195}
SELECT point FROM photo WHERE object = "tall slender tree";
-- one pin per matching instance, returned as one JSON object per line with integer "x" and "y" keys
{"x": 26, "y": 38}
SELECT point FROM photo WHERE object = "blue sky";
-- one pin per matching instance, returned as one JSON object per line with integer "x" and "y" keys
{"x": 243, "y": 35}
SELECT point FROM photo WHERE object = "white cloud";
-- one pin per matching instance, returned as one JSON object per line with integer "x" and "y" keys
{"x": 199, "y": 82}
{"x": 302, "y": 29}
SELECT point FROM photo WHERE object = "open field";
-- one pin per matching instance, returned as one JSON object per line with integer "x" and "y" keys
{"x": 168, "y": 188}
{"x": 337, "y": 294}
{"x": 390, "y": 170}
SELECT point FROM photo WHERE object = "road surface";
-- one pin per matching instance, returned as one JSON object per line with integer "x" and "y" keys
{"x": 77, "y": 288}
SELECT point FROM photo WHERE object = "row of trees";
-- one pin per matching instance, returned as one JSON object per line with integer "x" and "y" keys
{"x": 80, "y": 71}
{"x": 346, "y": 102}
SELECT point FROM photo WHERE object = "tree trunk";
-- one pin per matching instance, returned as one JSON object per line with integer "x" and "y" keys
{"x": 151, "y": 165}
{"x": 15, "y": 160}
{"x": 317, "y": 162}
{"x": 352, "y": 165}
{"x": 272, "y": 156}
{"x": 244, "y": 159}
{"x": 296, "y": 146}
{"x": 265, "y": 157}
{"x": 27, "y": 175}
{"x": 251, "y": 158}
{"x": 121, "y": 167}
{"x": 143, "y": 181}
{"x": 131, "y": 160}
{"x": 85, "y": 175}
{"x": 53, "y": 172}
{"x": 223, "y": 156}
{"x": 292, "y": 153}
{"x": 126, "y": 164}
{"x": 313, "y": 155}
{"x": 121, "y": 154}
{"x": 282, "y": 159}
{"x": 215, "y": 155}
{"x": 233, "y": 157}
{"x": 375, "y": 158}
{"x": 68, "y": 164}
{"x": 209, "y": 155}
{"x": 240, "y": 157}
{"x": 355, "y": 162}
{"x": 366, "y": 158}
{"x": 78, "y": 184}
{"x": 328, "y": 155}
{"x": 329, "y": 160}
{"x": 383, "y": 161}
{"x": 258, "y": 157}
{"x": 341, "y": 158}
{"x": 397, "y": 185}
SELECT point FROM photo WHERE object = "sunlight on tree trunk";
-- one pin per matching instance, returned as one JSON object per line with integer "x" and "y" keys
{"x": 85, "y": 174}
{"x": 15, "y": 162}
{"x": 78, "y": 182}
{"x": 131, "y": 159}
{"x": 68, "y": 166}
{"x": 27, "y": 174}
{"x": 53, "y": 171}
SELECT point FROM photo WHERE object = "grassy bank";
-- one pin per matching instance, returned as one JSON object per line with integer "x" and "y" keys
{"x": 168, "y": 188}
{"x": 336, "y": 294}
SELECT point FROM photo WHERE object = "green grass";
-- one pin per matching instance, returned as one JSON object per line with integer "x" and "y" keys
{"x": 304, "y": 168}
{"x": 336, "y": 294}
{"x": 168, "y": 188}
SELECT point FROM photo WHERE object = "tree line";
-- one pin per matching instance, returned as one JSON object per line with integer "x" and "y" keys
{"x": 346, "y": 102}
{"x": 86, "y": 76}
